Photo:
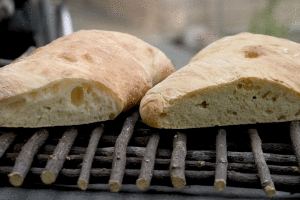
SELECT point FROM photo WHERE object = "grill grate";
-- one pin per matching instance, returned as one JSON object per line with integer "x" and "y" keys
{"x": 141, "y": 147}
{"x": 126, "y": 151}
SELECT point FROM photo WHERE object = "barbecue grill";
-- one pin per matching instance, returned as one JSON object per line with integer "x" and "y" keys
{"x": 128, "y": 148}
{"x": 126, "y": 151}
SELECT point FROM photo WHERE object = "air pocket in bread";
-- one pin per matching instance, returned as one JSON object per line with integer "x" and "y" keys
{"x": 85, "y": 77}
{"x": 241, "y": 79}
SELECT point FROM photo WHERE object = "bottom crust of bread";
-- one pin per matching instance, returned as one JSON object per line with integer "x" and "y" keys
{"x": 243, "y": 101}
{"x": 63, "y": 103}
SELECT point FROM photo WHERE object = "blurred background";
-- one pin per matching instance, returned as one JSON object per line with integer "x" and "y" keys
{"x": 209, "y": 19}
{"x": 180, "y": 28}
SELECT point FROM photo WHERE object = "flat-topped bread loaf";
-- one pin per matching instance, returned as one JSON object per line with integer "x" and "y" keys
{"x": 241, "y": 79}
{"x": 85, "y": 77}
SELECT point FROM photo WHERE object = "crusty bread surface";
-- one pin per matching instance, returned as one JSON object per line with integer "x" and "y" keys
{"x": 85, "y": 77}
{"x": 242, "y": 79}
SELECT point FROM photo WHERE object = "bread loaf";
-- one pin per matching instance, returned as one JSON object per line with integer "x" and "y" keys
{"x": 241, "y": 79}
{"x": 85, "y": 77}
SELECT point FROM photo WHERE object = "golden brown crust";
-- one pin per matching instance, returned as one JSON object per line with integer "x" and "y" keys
{"x": 105, "y": 59}
{"x": 123, "y": 64}
{"x": 150, "y": 112}
{"x": 250, "y": 59}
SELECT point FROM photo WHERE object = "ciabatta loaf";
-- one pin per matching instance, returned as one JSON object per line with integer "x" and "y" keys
{"x": 85, "y": 77}
{"x": 241, "y": 79}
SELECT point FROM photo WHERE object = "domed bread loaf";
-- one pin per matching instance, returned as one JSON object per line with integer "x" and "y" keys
{"x": 85, "y": 77}
{"x": 241, "y": 79}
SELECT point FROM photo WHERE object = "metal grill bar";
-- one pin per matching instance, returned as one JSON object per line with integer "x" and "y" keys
{"x": 162, "y": 177}
{"x": 135, "y": 162}
{"x": 137, "y": 141}
{"x": 199, "y": 155}
{"x": 295, "y": 139}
